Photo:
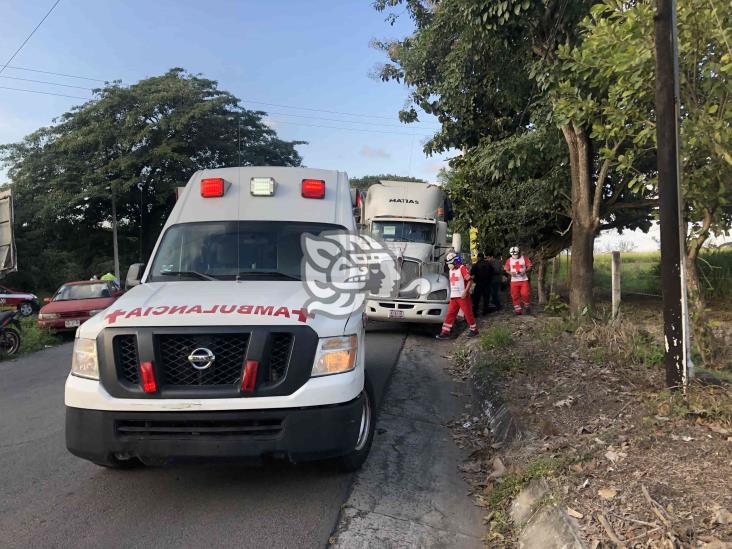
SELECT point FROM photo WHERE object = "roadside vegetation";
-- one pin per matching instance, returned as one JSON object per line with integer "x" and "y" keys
{"x": 33, "y": 338}
{"x": 589, "y": 416}
{"x": 552, "y": 105}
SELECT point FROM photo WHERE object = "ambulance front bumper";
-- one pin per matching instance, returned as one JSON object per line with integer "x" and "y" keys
{"x": 407, "y": 311}
{"x": 298, "y": 434}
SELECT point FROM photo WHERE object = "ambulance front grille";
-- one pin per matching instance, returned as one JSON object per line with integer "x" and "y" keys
{"x": 229, "y": 351}
{"x": 279, "y": 355}
{"x": 125, "y": 348}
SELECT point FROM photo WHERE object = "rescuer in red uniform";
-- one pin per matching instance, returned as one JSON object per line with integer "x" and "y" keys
{"x": 518, "y": 266}
{"x": 460, "y": 283}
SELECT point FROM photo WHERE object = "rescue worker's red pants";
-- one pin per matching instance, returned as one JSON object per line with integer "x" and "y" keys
{"x": 457, "y": 303}
{"x": 520, "y": 291}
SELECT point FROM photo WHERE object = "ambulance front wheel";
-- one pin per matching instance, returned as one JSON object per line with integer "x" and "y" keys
{"x": 354, "y": 460}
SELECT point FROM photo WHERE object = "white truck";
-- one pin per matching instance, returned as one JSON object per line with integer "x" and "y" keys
{"x": 212, "y": 353}
{"x": 411, "y": 218}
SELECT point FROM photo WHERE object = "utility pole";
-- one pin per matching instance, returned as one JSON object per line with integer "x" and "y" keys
{"x": 140, "y": 186}
{"x": 673, "y": 279}
{"x": 114, "y": 235}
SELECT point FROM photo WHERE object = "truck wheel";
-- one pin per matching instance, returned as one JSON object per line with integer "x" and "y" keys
{"x": 25, "y": 308}
{"x": 354, "y": 460}
{"x": 112, "y": 462}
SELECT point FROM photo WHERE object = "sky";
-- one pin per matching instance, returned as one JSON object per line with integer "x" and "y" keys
{"x": 302, "y": 55}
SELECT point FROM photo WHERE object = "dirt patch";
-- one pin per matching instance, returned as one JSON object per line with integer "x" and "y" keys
{"x": 631, "y": 462}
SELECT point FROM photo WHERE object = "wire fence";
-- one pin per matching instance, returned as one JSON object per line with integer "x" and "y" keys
{"x": 640, "y": 275}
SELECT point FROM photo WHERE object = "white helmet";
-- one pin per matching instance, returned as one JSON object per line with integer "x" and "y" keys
{"x": 451, "y": 258}
{"x": 514, "y": 251}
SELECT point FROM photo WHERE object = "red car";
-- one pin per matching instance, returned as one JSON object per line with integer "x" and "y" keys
{"x": 25, "y": 303}
{"x": 76, "y": 302}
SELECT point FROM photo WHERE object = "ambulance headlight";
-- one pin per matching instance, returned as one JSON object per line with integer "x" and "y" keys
{"x": 335, "y": 355}
{"x": 84, "y": 359}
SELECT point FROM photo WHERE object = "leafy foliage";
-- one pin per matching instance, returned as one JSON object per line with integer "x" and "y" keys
{"x": 138, "y": 142}
{"x": 515, "y": 191}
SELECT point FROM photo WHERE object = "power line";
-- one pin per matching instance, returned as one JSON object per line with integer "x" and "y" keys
{"x": 45, "y": 82}
{"x": 318, "y": 110}
{"x": 29, "y": 36}
{"x": 345, "y": 129}
{"x": 45, "y": 93}
{"x": 338, "y": 120}
{"x": 56, "y": 73}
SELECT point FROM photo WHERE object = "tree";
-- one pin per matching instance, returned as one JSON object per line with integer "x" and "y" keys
{"x": 489, "y": 69}
{"x": 363, "y": 183}
{"x": 515, "y": 191}
{"x": 135, "y": 143}
{"x": 617, "y": 54}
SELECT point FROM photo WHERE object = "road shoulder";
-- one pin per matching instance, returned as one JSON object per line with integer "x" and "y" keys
{"x": 410, "y": 492}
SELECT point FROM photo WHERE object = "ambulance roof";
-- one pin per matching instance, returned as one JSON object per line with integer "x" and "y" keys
{"x": 287, "y": 203}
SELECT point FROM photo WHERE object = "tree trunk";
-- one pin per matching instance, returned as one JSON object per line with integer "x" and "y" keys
{"x": 703, "y": 335}
{"x": 541, "y": 280}
{"x": 584, "y": 223}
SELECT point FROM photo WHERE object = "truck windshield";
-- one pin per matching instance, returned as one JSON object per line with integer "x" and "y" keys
{"x": 231, "y": 250}
{"x": 404, "y": 231}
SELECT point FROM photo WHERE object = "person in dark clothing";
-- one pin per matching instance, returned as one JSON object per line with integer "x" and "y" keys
{"x": 482, "y": 273}
{"x": 494, "y": 287}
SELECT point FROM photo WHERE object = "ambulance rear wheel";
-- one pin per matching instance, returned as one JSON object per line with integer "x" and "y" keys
{"x": 354, "y": 460}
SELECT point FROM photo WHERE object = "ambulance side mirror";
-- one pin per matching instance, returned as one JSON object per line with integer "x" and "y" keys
{"x": 457, "y": 242}
{"x": 134, "y": 275}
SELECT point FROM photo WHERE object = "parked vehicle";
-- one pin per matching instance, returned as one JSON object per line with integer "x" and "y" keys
{"x": 212, "y": 353}
{"x": 411, "y": 218}
{"x": 9, "y": 332}
{"x": 26, "y": 303}
{"x": 76, "y": 302}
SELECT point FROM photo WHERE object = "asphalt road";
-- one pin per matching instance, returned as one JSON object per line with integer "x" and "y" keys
{"x": 49, "y": 498}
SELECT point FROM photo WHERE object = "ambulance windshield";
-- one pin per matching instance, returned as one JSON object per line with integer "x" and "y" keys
{"x": 231, "y": 250}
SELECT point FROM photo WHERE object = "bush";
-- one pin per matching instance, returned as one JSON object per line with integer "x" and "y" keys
{"x": 495, "y": 338}
{"x": 33, "y": 338}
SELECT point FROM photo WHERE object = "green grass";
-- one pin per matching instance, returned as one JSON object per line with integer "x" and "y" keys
{"x": 723, "y": 375}
{"x": 641, "y": 273}
{"x": 33, "y": 338}
{"x": 508, "y": 487}
{"x": 496, "y": 337}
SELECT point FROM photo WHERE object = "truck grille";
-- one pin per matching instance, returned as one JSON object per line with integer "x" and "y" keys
{"x": 229, "y": 349}
{"x": 409, "y": 272}
{"x": 127, "y": 358}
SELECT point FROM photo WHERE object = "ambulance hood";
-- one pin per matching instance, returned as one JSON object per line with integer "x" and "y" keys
{"x": 212, "y": 303}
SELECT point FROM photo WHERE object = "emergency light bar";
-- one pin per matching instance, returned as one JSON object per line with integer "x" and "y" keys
{"x": 313, "y": 188}
{"x": 262, "y": 186}
{"x": 212, "y": 188}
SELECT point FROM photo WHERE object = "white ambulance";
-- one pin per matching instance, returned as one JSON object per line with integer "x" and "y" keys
{"x": 212, "y": 353}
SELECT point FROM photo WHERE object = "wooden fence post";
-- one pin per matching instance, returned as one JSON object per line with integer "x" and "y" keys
{"x": 616, "y": 284}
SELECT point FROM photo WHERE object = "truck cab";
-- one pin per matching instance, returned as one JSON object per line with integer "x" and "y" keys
{"x": 213, "y": 353}
{"x": 410, "y": 218}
